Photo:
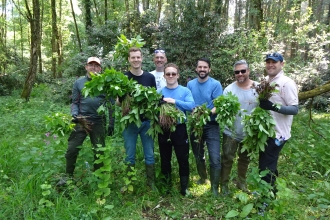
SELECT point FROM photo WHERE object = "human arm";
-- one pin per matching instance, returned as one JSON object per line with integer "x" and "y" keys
{"x": 285, "y": 110}
{"x": 75, "y": 100}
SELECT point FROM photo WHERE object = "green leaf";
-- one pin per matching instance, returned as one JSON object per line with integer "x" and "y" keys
{"x": 232, "y": 213}
{"x": 246, "y": 210}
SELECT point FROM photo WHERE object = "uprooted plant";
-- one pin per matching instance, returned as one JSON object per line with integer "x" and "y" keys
{"x": 198, "y": 119}
{"x": 259, "y": 125}
{"x": 169, "y": 116}
{"x": 227, "y": 107}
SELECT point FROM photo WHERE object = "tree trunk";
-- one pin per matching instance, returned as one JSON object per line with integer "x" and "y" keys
{"x": 54, "y": 38}
{"x": 88, "y": 19}
{"x": 314, "y": 92}
{"x": 76, "y": 26}
{"x": 159, "y": 10}
{"x": 34, "y": 20}
{"x": 105, "y": 11}
{"x": 128, "y": 27}
{"x": 3, "y": 35}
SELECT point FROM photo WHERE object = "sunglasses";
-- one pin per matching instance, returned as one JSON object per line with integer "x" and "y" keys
{"x": 171, "y": 74}
{"x": 239, "y": 71}
{"x": 159, "y": 51}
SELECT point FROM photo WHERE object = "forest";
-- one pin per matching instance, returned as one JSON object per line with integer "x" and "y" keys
{"x": 44, "y": 46}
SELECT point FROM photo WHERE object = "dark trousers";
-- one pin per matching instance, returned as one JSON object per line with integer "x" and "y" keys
{"x": 268, "y": 160}
{"x": 179, "y": 141}
{"x": 76, "y": 139}
{"x": 211, "y": 135}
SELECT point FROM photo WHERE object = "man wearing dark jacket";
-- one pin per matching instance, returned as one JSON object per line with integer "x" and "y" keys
{"x": 84, "y": 109}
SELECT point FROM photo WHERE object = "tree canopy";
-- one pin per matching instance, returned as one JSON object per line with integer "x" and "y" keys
{"x": 52, "y": 39}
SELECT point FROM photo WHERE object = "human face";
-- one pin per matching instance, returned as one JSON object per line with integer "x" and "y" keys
{"x": 242, "y": 77}
{"x": 273, "y": 67}
{"x": 93, "y": 67}
{"x": 203, "y": 69}
{"x": 171, "y": 76}
{"x": 135, "y": 59}
{"x": 160, "y": 59}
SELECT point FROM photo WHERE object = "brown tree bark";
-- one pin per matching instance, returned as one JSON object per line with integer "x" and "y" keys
{"x": 76, "y": 26}
{"x": 159, "y": 9}
{"x": 34, "y": 20}
{"x": 314, "y": 92}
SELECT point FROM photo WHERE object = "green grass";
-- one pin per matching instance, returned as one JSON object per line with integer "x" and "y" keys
{"x": 31, "y": 164}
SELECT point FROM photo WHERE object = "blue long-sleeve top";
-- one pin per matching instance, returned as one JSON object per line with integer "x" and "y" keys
{"x": 205, "y": 92}
{"x": 183, "y": 98}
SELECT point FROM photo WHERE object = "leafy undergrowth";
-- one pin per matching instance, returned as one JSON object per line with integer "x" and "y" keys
{"x": 32, "y": 162}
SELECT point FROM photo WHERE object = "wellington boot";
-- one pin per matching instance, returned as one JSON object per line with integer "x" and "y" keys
{"x": 184, "y": 181}
{"x": 215, "y": 180}
{"x": 151, "y": 176}
{"x": 201, "y": 169}
{"x": 224, "y": 179}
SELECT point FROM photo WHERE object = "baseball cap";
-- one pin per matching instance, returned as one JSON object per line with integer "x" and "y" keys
{"x": 274, "y": 56}
{"x": 93, "y": 59}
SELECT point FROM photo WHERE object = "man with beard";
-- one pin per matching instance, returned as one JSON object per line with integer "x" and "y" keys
{"x": 232, "y": 138}
{"x": 159, "y": 60}
{"x": 204, "y": 90}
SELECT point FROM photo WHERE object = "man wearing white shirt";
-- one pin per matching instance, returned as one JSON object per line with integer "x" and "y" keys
{"x": 160, "y": 60}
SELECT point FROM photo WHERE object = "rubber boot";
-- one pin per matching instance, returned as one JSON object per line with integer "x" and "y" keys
{"x": 242, "y": 168}
{"x": 215, "y": 180}
{"x": 70, "y": 166}
{"x": 201, "y": 169}
{"x": 151, "y": 176}
{"x": 224, "y": 179}
{"x": 184, "y": 181}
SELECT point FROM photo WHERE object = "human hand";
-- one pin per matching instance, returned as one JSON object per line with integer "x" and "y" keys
{"x": 169, "y": 100}
{"x": 267, "y": 105}
{"x": 74, "y": 119}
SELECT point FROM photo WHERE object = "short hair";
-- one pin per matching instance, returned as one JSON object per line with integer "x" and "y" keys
{"x": 241, "y": 62}
{"x": 205, "y": 60}
{"x": 134, "y": 49}
{"x": 172, "y": 65}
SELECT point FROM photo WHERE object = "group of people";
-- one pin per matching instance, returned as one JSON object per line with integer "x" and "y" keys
{"x": 201, "y": 90}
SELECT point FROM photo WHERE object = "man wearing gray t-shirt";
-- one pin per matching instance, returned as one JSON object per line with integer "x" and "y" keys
{"x": 232, "y": 138}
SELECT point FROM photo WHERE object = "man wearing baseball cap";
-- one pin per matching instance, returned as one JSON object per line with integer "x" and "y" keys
{"x": 88, "y": 120}
{"x": 283, "y": 105}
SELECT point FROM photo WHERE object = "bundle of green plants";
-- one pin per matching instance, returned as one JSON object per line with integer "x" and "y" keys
{"x": 169, "y": 116}
{"x": 198, "y": 119}
{"x": 111, "y": 83}
{"x": 259, "y": 125}
{"x": 59, "y": 123}
{"x": 142, "y": 103}
{"x": 227, "y": 107}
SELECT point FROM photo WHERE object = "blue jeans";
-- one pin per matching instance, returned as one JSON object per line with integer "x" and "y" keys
{"x": 130, "y": 138}
{"x": 211, "y": 135}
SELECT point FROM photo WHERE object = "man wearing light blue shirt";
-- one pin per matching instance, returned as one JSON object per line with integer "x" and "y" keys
{"x": 204, "y": 90}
